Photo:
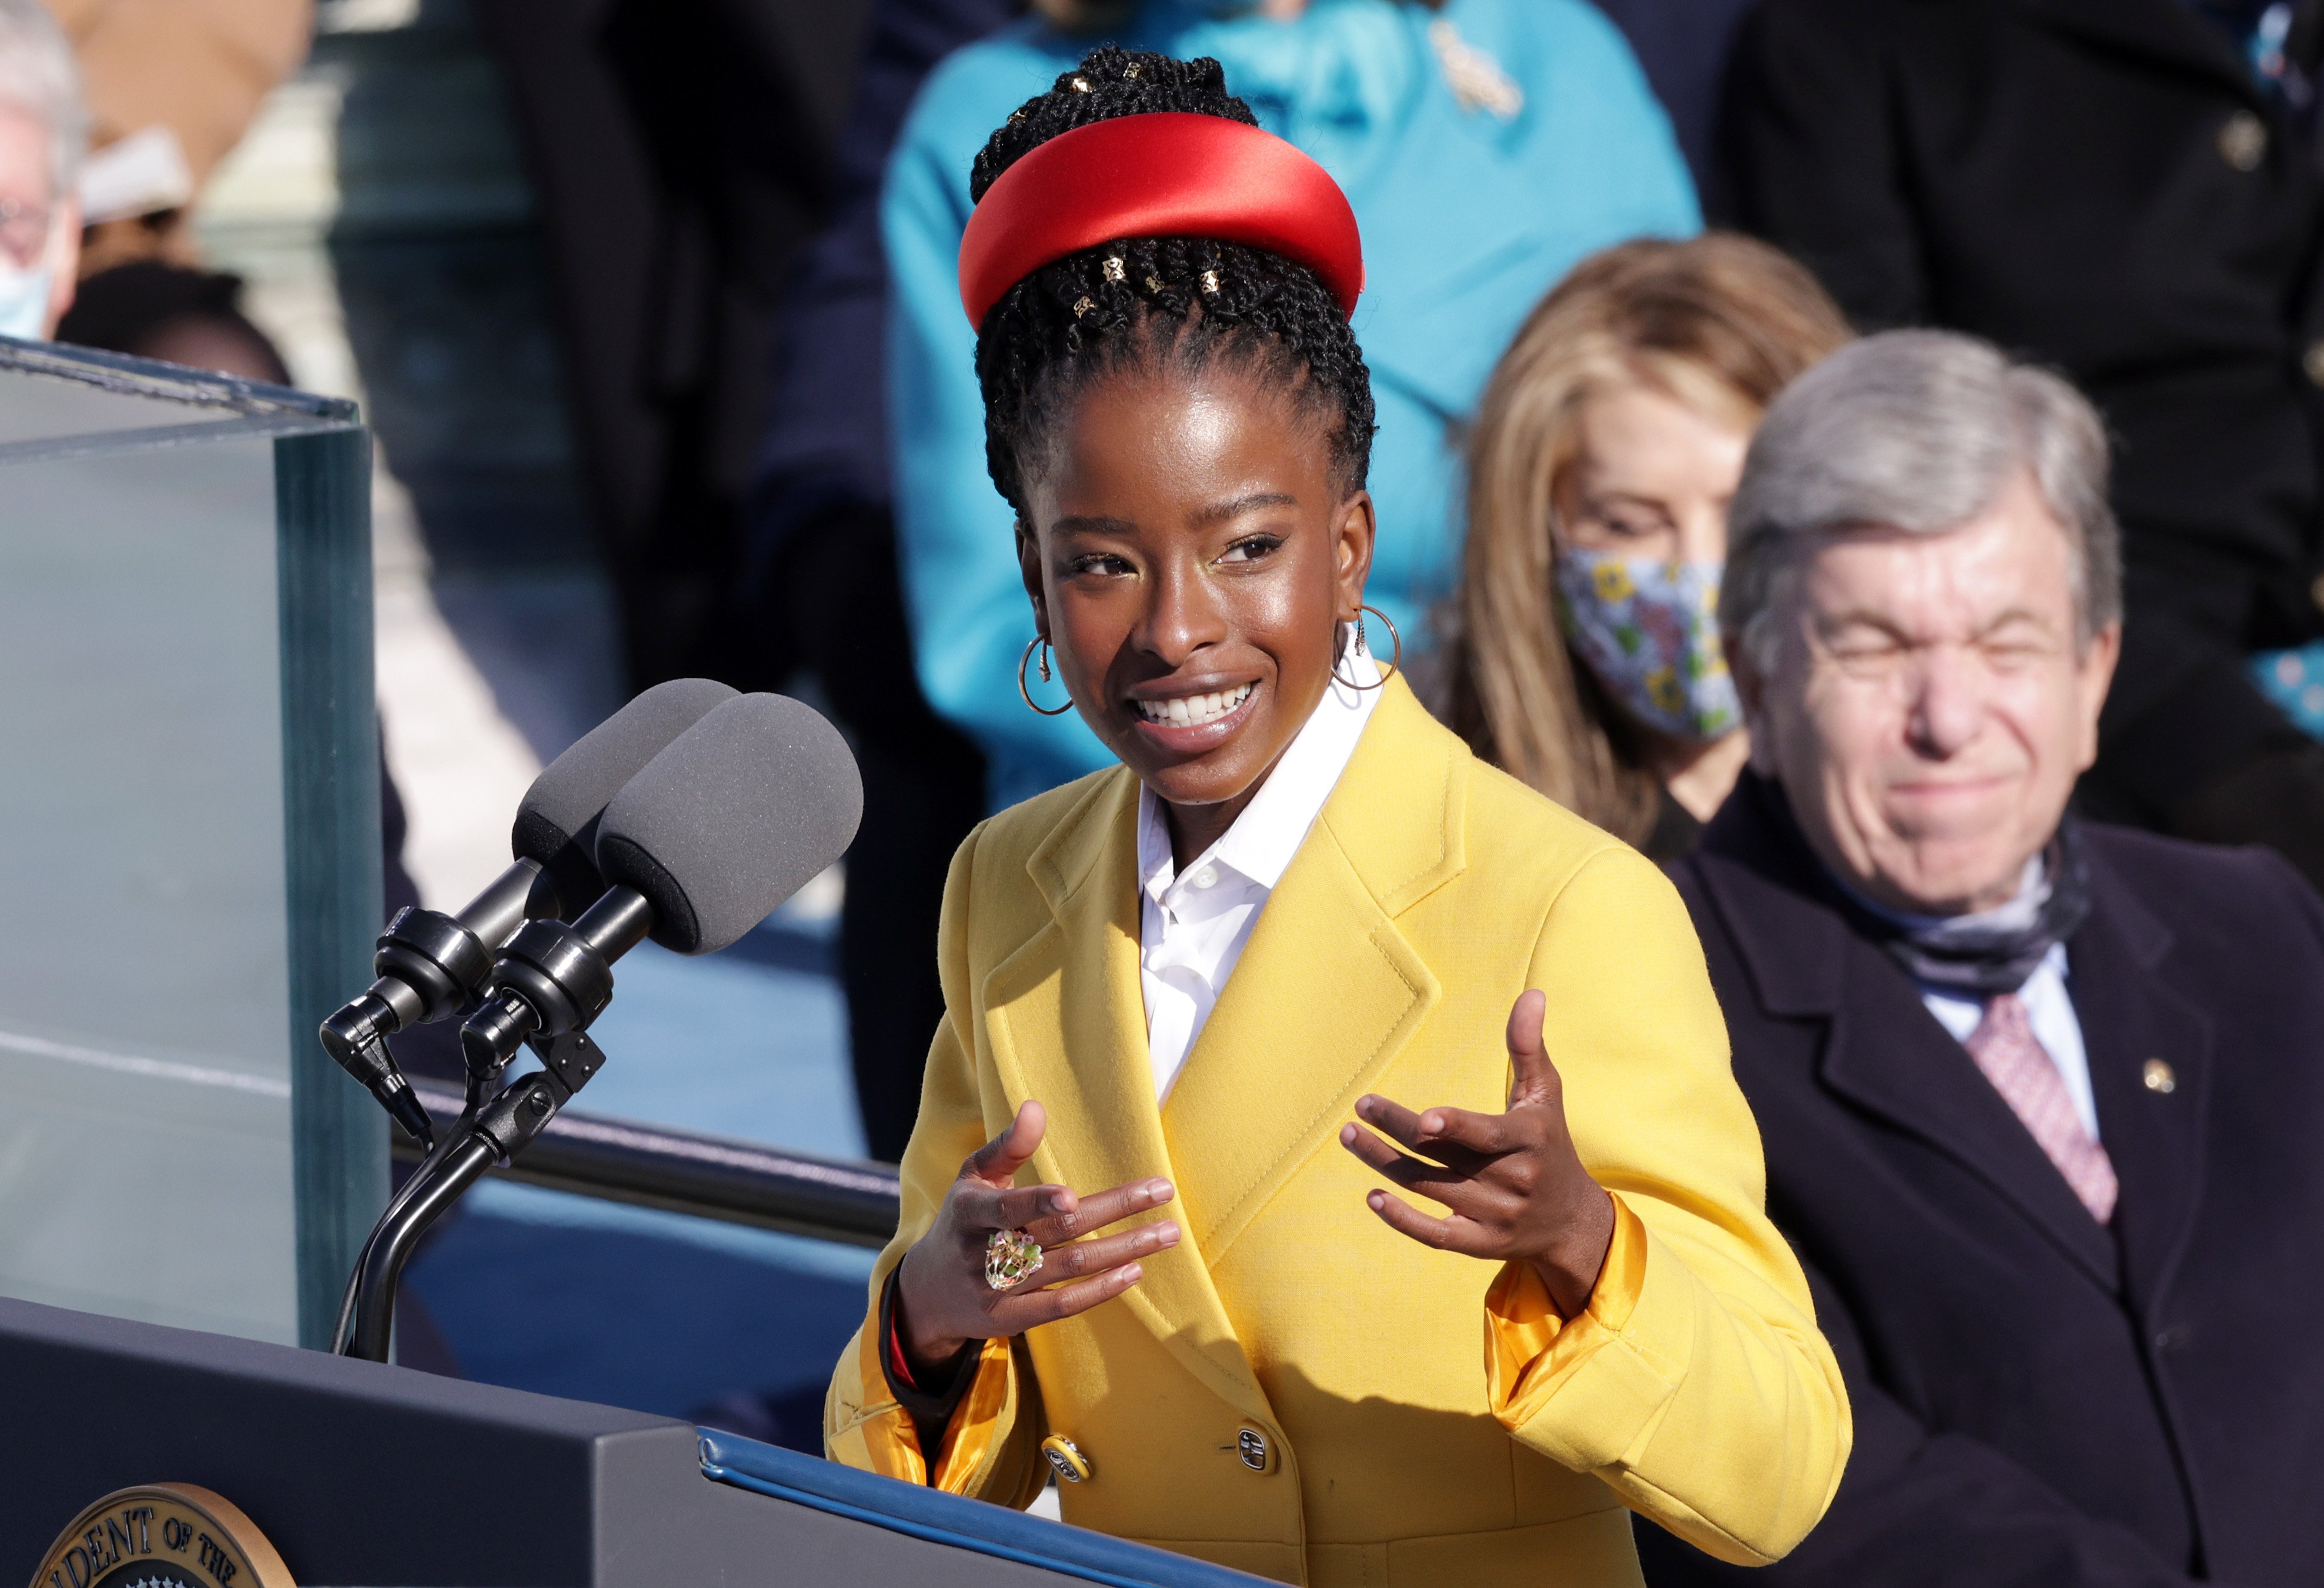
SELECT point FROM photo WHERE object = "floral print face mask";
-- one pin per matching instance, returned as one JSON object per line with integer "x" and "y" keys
{"x": 1649, "y": 631}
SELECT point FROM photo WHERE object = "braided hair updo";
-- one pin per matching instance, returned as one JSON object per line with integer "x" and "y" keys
{"x": 1154, "y": 303}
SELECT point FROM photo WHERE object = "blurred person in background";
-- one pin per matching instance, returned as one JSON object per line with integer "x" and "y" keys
{"x": 683, "y": 152}
{"x": 2039, "y": 1097}
{"x": 1485, "y": 144}
{"x": 822, "y": 580}
{"x": 1587, "y": 658}
{"x": 43, "y": 135}
{"x": 172, "y": 84}
{"x": 2129, "y": 189}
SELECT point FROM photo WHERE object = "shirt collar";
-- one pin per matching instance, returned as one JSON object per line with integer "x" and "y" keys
{"x": 1260, "y": 843}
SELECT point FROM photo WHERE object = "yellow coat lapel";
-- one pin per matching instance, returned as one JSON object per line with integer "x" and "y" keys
{"x": 1066, "y": 1019}
{"x": 1328, "y": 990}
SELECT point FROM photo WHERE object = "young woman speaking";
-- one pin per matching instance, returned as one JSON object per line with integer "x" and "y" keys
{"x": 1340, "y": 1060}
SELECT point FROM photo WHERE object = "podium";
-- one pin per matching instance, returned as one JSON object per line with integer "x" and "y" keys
{"x": 363, "y": 1475}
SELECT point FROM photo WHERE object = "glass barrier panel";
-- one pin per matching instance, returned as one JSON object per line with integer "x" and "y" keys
{"x": 188, "y": 800}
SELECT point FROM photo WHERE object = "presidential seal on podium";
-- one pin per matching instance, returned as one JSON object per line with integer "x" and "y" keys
{"x": 162, "y": 1536}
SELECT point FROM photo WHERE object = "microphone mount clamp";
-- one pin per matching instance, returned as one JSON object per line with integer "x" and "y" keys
{"x": 428, "y": 965}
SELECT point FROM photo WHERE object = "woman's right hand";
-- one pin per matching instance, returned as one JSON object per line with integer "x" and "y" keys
{"x": 942, "y": 1299}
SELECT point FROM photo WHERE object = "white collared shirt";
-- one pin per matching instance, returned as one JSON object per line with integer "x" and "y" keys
{"x": 1191, "y": 930}
{"x": 2049, "y": 1011}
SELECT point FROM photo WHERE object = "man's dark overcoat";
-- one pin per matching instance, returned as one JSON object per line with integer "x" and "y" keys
{"x": 2039, "y": 1399}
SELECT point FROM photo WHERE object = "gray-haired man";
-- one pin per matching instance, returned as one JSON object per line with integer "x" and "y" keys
{"x": 43, "y": 133}
{"x": 2039, "y": 1098}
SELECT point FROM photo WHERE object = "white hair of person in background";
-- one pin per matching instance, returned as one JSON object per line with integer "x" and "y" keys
{"x": 1924, "y": 598}
{"x": 44, "y": 137}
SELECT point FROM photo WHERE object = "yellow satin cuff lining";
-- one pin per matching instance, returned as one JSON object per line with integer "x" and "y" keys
{"x": 968, "y": 1438}
{"x": 1529, "y": 1351}
{"x": 893, "y": 1441}
{"x": 889, "y": 1439}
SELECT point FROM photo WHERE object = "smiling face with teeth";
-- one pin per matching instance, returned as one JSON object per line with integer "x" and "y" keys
{"x": 1191, "y": 555}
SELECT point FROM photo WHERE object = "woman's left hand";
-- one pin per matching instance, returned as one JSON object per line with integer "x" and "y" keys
{"x": 1513, "y": 1182}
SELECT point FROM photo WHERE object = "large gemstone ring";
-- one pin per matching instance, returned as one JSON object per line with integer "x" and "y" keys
{"x": 1011, "y": 1257}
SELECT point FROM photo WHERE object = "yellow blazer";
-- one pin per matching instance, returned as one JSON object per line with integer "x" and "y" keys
{"x": 1412, "y": 1429}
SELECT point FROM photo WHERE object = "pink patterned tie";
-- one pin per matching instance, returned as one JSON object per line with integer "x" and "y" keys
{"x": 2014, "y": 1060}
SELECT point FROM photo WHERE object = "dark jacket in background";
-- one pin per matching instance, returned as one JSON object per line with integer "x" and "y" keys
{"x": 1682, "y": 46}
{"x": 2039, "y": 1399}
{"x": 682, "y": 151}
{"x": 824, "y": 593}
{"x": 825, "y": 443}
{"x": 2098, "y": 184}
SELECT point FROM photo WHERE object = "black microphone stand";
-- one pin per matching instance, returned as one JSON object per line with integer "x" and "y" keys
{"x": 481, "y": 1084}
{"x": 551, "y": 981}
{"x": 489, "y": 1137}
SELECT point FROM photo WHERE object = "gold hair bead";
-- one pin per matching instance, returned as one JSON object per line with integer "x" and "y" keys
{"x": 1082, "y": 306}
{"x": 1016, "y": 117}
{"x": 1131, "y": 70}
{"x": 1081, "y": 85}
{"x": 1152, "y": 285}
{"x": 1114, "y": 269}
{"x": 1211, "y": 282}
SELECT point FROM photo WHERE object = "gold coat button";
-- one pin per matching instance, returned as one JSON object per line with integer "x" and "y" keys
{"x": 2160, "y": 1077}
{"x": 2243, "y": 141}
{"x": 1066, "y": 1460}
{"x": 1254, "y": 1449}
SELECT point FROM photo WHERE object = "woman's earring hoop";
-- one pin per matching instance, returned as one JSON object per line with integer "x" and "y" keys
{"x": 1396, "y": 663}
{"x": 1039, "y": 643}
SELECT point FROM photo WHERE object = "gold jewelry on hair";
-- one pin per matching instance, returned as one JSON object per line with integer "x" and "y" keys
{"x": 1131, "y": 70}
{"x": 1211, "y": 282}
{"x": 1081, "y": 85}
{"x": 1038, "y": 643}
{"x": 1395, "y": 662}
{"x": 1153, "y": 286}
{"x": 1112, "y": 268}
{"x": 1083, "y": 305}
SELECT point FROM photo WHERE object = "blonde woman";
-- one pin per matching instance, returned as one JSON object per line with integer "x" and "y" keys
{"x": 1611, "y": 436}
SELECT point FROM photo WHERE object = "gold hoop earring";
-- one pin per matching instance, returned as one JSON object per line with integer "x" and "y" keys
{"x": 1396, "y": 663}
{"x": 1039, "y": 643}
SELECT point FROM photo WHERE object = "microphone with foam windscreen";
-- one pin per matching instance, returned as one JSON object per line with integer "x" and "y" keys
{"x": 430, "y": 964}
{"x": 717, "y": 831}
{"x": 739, "y": 813}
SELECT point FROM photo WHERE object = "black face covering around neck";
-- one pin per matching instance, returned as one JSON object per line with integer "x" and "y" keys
{"x": 1976, "y": 955}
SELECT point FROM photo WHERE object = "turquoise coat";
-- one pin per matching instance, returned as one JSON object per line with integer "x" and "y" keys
{"x": 1468, "y": 217}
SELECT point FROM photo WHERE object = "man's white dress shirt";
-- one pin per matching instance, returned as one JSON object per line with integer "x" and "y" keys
{"x": 1192, "y": 928}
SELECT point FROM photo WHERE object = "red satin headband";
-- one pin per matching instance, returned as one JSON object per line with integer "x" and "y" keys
{"x": 1167, "y": 174}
